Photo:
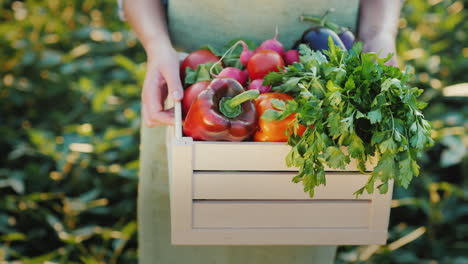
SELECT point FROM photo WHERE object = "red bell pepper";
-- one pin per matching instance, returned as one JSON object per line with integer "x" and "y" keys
{"x": 223, "y": 111}
{"x": 274, "y": 131}
{"x": 191, "y": 94}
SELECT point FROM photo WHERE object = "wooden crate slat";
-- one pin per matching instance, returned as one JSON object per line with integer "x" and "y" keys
{"x": 313, "y": 236}
{"x": 273, "y": 185}
{"x": 281, "y": 214}
{"x": 247, "y": 156}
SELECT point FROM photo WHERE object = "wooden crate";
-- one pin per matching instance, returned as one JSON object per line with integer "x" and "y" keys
{"x": 229, "y": 193}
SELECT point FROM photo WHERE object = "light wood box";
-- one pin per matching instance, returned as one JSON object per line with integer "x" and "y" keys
{"x": 240, "y": 193}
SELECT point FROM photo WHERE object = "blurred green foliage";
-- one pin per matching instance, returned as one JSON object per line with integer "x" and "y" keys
{"x": 69, "y": 103}
{"x": 429, "y": 221}
{"x": 69, "y": 122}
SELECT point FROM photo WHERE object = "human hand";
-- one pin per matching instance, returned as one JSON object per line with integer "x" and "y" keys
{"x": 162, "y": 79}
{"x": 384, "y": 43}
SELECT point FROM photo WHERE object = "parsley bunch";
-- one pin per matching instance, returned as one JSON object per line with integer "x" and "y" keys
{"x": 359, "y": 108}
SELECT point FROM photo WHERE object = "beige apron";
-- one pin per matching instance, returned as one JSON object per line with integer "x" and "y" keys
{"x": 194, "y": 23}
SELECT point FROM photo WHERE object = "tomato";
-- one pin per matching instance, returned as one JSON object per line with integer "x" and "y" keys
{"x": 264, "y": 62}
{"x": 191, "y": 94}
{"x": 196, "y": 58}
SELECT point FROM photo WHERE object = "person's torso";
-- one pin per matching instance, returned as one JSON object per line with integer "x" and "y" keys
{"x": 193, "y": 23}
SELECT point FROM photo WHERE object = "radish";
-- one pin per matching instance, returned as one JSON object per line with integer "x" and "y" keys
{"x": 233, "y": 73}
{"x": 258, "y": 85}
{"x": 272, "y": 44}
{"x": 245, "y": 54}
{"x": 291, "y": 56}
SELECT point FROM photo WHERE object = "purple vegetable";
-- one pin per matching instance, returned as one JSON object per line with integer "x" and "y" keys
{"x": 317, "y": 38}
{"x": 348, "y": 38}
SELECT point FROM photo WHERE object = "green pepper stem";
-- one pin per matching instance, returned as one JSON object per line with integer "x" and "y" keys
{"x": 242, "y": 97}
{"x": 231, "y": 107}
{"x": 323, "y": 22}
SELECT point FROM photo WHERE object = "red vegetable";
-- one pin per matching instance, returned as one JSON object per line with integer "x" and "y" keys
{"x": 246, "y": 54}
{"x": 223, "y": 111}
{"x": 235, "y": 74}
{"x": 191, "y": 94}
{"x": 196, "y": 58}
{"x": 264, "y": 62}
{"x": 246, "y": 72}
{"x": 272, "y": 44}
{"x": 258, "y": 85}
{"x": 291, "y": 56}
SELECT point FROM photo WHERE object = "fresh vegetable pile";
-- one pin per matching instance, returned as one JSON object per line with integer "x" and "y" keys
{"x": 218, "y": 101}
{"x": 330, "y": 104}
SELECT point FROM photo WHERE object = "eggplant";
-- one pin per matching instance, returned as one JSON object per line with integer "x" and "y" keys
{"x": 347, "y": 37}
{"x": 317, "y": 38}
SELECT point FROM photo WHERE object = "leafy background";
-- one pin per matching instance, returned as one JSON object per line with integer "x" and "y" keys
{"x": 70, "y": 76}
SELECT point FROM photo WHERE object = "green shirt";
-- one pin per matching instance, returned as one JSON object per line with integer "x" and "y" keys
{"x": 200, "y": 22}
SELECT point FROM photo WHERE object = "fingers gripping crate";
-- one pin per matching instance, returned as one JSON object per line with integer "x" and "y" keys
{"x": 240, "y": 193}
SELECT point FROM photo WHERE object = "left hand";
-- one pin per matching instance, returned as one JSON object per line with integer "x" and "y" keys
{"x": 384, "y": 42}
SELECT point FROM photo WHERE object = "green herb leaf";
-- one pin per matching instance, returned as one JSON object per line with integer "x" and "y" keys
{"x": 356, "y": 147}
{"x": 278, "y": 104}
{"x": 383, "y": 188}
{"x": 385, "y": 168}
{"x": 389, "y": 146}
{"x": 357, "y": 102}
{"x": 336, "y": 158}
{"x": 375, "y": 116}
{"x": 212, "y": 49}
{"x": 271, "y": 115}
{"x": 272, "y": 78}
{"x": 201, "y": 73}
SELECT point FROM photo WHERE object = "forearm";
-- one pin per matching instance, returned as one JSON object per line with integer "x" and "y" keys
{"x": 147, "y": 19}
{"x": 378, "y": 17}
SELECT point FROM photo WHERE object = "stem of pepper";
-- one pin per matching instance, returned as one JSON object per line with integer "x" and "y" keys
{"x": 231, "y": 106}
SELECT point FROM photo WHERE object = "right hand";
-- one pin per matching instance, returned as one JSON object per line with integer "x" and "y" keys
{"x": 162, "y": 79}
{"x": 384, "y": 42}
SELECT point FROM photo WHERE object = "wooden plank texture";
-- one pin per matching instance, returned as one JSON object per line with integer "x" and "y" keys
{"x": 226, "y": 193}
{"x": 281, "y": 214}
{"x": 247, "y": 156}
{"x": 180, "y": 186}
{"x": 380, "y": 214}
{"x": 313, "y": 236}
{"x": 273, "y": 185}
